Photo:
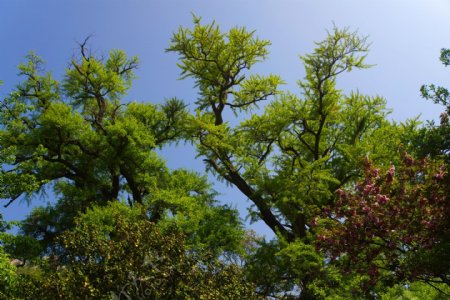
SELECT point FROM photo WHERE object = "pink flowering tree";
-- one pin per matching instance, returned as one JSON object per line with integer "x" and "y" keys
{"x": 393, "y": 226}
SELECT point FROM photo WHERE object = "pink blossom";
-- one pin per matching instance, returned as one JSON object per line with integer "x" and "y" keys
{"x": 376, "y": 190}
{"x": 321, "y": 237}
{"x": 359, "y": 187}
{"x": 382, "y": 199}
{"x": 340, "y": 192}
{"x": 390, "y": 174}
{"x": 426, "y": 223}
{"x": 368, "y": 189}
{"x": 376, "y": 173}
{"x": 439, "y": 176}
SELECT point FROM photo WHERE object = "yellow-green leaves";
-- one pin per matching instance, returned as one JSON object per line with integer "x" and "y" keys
{"x": 90, "y": 140}
{"x": 218, "y": 61}
{"x": 90, "y": 78}
{"x": 340, "y": 51}
{"x": 8, "y": 276}
{"x": 289, "y": 159}
{"x": 253, "y": 90}
{"x": 39, "y": 89}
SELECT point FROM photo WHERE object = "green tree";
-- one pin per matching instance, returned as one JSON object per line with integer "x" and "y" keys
{"x": 115, "y": 252}
{"x": 393, "y": 225}
{"x": 289, "y": 159}
{"x": 415, "y": 291}
{"x": 435, "y": 140}
{"x": 79, "y": 136}
{"x": 8, "y": 276}
{"x": 77, "y": 142}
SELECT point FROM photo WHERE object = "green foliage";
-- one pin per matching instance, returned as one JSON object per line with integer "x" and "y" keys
{"x": 20, "y": 247}
{"x": 8, "y": 276}
{"x": 123, "y": 225}
{"x": 393, "y": 226}
{"x": 216, "y": 60}
{"x": 289, "y": 159}
{"x": 115, "y": 252}
{"x": 435, "y": 139}
{"x": 279, "y": 269}
{"x": 79, "y": 141}
{"x": 4, "y": 225}
{"x": 90, "y": 146}
{"x": 416, "y": 291}
{"x": 269, "y": 271}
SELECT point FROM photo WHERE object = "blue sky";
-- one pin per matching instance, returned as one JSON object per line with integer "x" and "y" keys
{"x": 406, "y": 37}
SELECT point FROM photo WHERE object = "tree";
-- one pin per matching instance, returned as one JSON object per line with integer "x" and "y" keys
{"x": 8, "y": 276}
{"x": 77, "y": 143}
{"x": 115, "y": 252}
{"x": 115, "y": 197}
{"x": 79, "y": 140}
{"x": 289, "y": 159}
{"x": 415, "y": 290}
{"x": 77, "y": 134}
{"x": 394, "y": 225}
{"x": 435, "y": 140}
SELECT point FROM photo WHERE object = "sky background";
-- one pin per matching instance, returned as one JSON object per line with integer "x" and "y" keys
{"x": 406, "y": 37}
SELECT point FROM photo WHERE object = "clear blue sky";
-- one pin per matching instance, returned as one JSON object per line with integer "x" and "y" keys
{"x": 406, "y": 37}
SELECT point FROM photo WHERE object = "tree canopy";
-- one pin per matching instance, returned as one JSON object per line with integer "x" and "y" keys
{"x": 358, "y": 203}
{"x": 291, "y": 156}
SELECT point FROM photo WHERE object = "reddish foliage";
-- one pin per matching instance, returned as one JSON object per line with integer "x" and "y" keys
{"x": 391, "y": 221}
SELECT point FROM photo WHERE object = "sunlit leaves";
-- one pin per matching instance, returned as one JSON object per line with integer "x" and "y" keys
{"x": 217, "y": 62}
{"x": 89, "y": 79}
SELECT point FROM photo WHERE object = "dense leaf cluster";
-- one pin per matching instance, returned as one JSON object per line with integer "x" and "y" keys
{"x": 394, "y": 224}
